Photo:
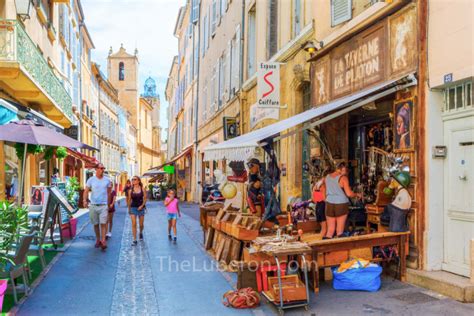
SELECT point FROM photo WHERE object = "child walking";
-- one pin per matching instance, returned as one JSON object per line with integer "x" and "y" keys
{"x": 172, "y": 209}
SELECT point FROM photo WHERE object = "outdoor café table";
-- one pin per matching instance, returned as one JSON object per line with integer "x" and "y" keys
{"x": 357, "y": 242}
{"x": 278, "y": 253}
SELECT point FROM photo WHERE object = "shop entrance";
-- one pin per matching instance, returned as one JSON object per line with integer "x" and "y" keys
{"x": 458, "y": 197}
{"x": 370, "y": 126}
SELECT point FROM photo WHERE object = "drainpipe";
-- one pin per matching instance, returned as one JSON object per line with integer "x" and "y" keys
{"x": 196, "y": 108}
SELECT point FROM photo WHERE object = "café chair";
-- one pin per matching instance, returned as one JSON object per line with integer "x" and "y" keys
{"x": 15, "y": 269}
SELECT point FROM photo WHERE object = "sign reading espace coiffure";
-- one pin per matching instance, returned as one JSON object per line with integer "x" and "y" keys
{"x": 268, "y": 84}
{"x": 268, "y": 94}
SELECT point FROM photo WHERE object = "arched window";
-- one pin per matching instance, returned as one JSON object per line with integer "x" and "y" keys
{"x": 121, "y": 71}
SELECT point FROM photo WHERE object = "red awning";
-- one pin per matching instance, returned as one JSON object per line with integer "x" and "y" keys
{"x": 185, "y": 152}
{"x": 90, "y": 162}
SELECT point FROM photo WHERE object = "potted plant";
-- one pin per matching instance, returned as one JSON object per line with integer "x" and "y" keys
{"x": 72, "y": 191}
{"x": 13, "y": 220}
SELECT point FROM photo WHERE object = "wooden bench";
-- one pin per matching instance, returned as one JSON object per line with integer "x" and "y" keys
{"x": 328, "y": 246}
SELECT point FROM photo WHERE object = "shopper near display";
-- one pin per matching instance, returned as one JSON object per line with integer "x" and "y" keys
{"x": 128, "y": 186}
{"x": 172, "y": 210}
{"x": 338, "y": 192}
{"x": 319, "y": 193}
{"x": 100, "y": 188}
{"x": 136, "y": 207}
{"x": 110, "y": 219}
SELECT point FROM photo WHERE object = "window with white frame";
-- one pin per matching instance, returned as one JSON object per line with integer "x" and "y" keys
{"x": 458, "y": 97}
{"x": 297, "y": 17}
{"x": 252, "y": 42}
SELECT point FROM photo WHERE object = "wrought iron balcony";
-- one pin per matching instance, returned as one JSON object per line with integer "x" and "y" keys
{"x": 27, "y": 75}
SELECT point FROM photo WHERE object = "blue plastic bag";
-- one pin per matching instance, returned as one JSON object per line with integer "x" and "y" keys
{"x": 360, "y": 279}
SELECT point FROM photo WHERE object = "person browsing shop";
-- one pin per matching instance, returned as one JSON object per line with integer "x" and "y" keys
{"x": 172, "y": 210}
{"x": 100, "y": 188}
{"x": 136, "y": 207}
{"x": 338, "y": 192}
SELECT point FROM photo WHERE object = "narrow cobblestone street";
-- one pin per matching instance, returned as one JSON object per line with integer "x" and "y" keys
{"x": 153, "y": 279}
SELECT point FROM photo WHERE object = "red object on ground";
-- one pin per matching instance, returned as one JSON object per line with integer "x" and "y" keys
{"x": 262, "y": 277}
{"x": 69, "y": 230}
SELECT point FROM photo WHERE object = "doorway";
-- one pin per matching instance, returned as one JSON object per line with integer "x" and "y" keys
{"x": 458, "y": 194}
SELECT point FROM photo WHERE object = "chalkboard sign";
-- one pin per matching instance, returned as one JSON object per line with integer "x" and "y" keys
{"x": 66, "y": 208}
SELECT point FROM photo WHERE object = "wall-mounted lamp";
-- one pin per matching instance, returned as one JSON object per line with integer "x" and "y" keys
{"x": 23, "y": 8}
{"x": 311, "y": 47}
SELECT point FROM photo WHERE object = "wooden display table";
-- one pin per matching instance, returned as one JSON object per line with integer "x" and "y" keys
{"x": 339, "y": 246}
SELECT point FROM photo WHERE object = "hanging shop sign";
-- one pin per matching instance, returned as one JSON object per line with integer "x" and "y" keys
{"x": 268, "y": 94}
{"x": 72, "y": 132}
{"x": 268, "y": 84}
{"x": 368, "y": 58}
{"x": 258, "y": 114}
{"x": 231, "y": 127}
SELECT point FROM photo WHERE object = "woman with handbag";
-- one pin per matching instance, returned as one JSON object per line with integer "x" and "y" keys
{"x": 136, "y": 207}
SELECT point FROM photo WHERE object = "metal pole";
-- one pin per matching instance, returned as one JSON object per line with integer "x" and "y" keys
{"x": 22, "y": 179}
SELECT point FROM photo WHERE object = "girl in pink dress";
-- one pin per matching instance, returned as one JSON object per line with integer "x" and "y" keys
{"x": 172, "y": 210}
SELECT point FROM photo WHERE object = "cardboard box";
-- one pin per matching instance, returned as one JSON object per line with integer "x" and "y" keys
{"x": 293, "y": 288}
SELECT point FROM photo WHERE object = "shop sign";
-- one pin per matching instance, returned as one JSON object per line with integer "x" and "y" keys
{"x": 268, "y": 84}
{"x": 72, "y": 132}
{"x": 258, "y": 114}
{"x": 231, "y": 127}
{"x": 168, "y": 169}
{"x": 384, "y": 51}
{"x": 358, "y": 63}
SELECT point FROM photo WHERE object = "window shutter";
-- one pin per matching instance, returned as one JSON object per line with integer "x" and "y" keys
{"x": 214, "y": 17}
{"x": 272, "y": 30}
{"x": 228, "y": 70}
{"x": 237, "y": 60}
{"x": 195, "y": 11}
{"x": 341, "y": 11}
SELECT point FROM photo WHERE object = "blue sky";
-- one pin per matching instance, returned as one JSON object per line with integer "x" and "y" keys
{"x": 143, "y": 24}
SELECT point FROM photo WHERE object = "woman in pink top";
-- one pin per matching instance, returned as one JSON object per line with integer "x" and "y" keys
{"x": 172, "y": 209}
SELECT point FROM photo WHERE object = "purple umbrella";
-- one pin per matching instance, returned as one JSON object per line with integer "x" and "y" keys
{"x": 29, "y": 132}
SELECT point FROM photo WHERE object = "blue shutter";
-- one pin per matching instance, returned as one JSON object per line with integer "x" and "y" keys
{"x": 341, "y": 11}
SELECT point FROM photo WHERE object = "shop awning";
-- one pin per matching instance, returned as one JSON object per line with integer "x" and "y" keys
{"x": 150, "y": 171}
{"x": 90, "y": 162}
{"x": 8, "y": 112}
{"x": 243, "y": 147}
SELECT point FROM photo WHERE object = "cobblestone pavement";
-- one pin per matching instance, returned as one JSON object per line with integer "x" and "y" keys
{"x": 151, "y": 279}
{"x": 134, "y": 291}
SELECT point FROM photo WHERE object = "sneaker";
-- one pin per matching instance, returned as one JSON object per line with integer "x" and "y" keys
{"x": 174, "y": 240}
{"x": 108, "y": 235}
{"x": 134, "y": 243}
{"x": 170, "y": 238}
{"x": 141, "y": 236}
{"x": 97, "y": 244}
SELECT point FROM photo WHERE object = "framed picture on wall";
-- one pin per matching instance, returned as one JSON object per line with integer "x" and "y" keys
{"x": 404, "y": 125}
{"x": 231, "y": 128}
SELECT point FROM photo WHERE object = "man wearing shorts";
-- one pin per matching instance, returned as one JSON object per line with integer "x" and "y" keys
{"x": 100, "y": 188}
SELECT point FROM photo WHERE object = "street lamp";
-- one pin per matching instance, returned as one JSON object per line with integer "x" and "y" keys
{"x": 23, "y": 8}
{"x": 311, "y": 48}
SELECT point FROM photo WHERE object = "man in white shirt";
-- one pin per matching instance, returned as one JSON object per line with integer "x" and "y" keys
{"x": 100, "y": 188}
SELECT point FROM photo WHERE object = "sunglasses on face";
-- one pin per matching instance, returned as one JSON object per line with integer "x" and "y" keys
{"x": 134, "y": 179}
{"x": 101, "y": 168}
